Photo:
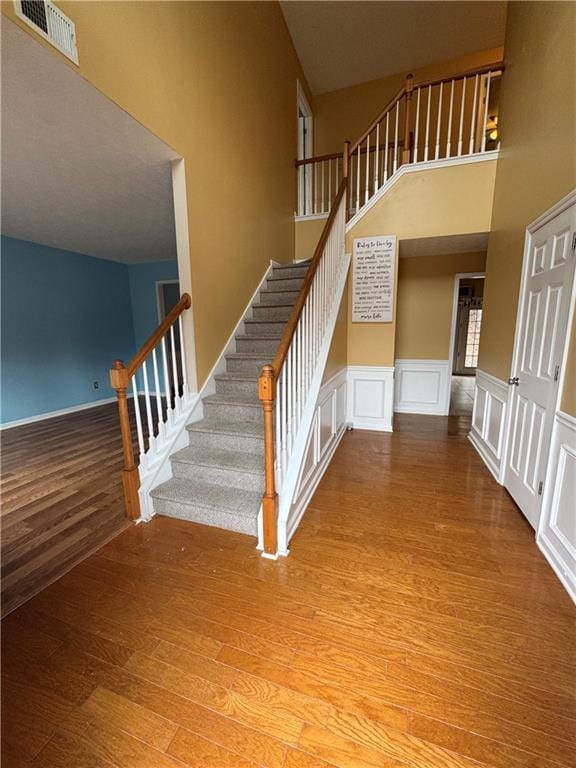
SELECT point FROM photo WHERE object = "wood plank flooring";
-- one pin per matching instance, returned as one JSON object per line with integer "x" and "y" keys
{"x": 61, "y": 492}
{"x": 414, "y": 625}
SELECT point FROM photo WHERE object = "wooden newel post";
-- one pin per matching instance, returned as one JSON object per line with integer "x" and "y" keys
{"x": 409, "y": 87}
{"x": 267, "y": 394}
{"x": 130, "y": 477}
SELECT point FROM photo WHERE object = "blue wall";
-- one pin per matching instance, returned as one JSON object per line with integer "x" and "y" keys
{"x": 65, "y": 317}
{"x": 143, "y": 279}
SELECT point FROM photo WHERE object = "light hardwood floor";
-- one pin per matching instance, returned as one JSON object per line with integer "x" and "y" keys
{"x": 414, "y": 624}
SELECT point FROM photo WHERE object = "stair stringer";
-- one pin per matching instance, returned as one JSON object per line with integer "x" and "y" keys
{"x": 156, "y": 468}
{"x": 291, "y": 508}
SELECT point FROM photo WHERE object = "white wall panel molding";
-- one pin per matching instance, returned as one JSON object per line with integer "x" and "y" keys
{"x": 370, "y": 397}
{"x": 422, "y": 386}
{"x": 557, "y": 531}
{"x": 328, "y": 427}
{"x": 489, "y": 418}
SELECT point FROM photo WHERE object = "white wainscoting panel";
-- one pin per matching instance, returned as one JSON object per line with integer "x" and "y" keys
{"x": 370, "y": 397}
{"x": 557, "y": 530}
{"x": 422, "y": 386}
{"x": 327, "y": 430}
{"x": 489, "y": 421}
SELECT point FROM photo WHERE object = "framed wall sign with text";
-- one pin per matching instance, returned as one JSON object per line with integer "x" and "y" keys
{"x": 373, "y": 275}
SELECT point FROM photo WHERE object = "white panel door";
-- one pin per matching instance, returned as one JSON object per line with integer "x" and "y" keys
{"x": 540, "y": 344}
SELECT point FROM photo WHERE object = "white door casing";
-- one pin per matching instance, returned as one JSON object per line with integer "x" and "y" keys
{"x": 539, "y": 349}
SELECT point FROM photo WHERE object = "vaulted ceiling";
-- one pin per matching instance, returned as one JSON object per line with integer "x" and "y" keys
{"x": 340, "y": 44}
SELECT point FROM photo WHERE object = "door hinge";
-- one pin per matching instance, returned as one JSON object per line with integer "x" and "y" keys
{"x": 556, "y": 372}
{"x": 573, "y": 242}
{"x": 540, "y": 488}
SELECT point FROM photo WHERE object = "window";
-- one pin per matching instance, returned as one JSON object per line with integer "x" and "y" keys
{"x": 473, "y": 338}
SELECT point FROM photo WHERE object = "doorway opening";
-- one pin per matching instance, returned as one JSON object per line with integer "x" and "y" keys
{"x": 465, "y": 341}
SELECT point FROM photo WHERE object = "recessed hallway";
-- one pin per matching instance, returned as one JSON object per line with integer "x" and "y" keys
{"x": 414, "y": 623}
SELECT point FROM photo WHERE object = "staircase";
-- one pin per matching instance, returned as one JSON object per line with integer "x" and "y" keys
{"x": 218, "y": 479}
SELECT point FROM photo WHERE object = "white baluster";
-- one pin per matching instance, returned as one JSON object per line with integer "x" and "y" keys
{"x": 448, "y": 147}
{"x": 158, "y": 393}
{"x": 278, "y": 436}
{"x": 461, "y": 117}
{"x": 283, "y": 421}
{"x": 315, "y": 190}
{"x": 358, "y": 179}
{"x": 416, "y": 128}
{"x": 427, "y": 137}
{"x": 376, "y": 158}
{"x": 147, "y": 404}
{"x": 473, "y": 123}
{"x": 322, "y": 181}
{"x": 485, "y": 122}
{"x": 166, "y": 374}
{"x": 174, "y": 370}
{"x": 138, "y": 418}
{"x": 367, "y": 190}
{"x": 438, "y": 124}
{"x": 396, "y": 137}
{"x": 183, "y": 358}
{"x": 329, "y": 184}
{"x": 386, "y": 147}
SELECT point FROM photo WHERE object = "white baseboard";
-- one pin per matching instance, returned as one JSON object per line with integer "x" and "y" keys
{"x": 422, "y": 386}
{"x": 556, "y": 535}
{"x": 489, "y": 417}
{"x": 55, "y": 414}
{"x": 370, "y": 397}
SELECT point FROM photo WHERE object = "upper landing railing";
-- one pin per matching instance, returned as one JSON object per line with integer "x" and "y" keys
{"x": 452, "y": 117}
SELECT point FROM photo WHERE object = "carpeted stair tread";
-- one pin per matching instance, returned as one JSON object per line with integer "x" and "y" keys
{"x": 245, "y": 462}
{"x": 235, "y": 500}
{"x": 217, "y": 426}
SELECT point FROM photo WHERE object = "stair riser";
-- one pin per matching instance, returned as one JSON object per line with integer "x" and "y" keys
{"x": 254, "y": 366}
{"x": 205, "y": 440}
{"x": 207, "y": 516}
{"x": 285, "y": 284}
{"x": 236, "y": 387}
{"x": 270, "y": 298}
{"x": 222, "y": 476}
{"x": 232, "y": 412}
{"x": 265, "y": 329}
{"x": 272, "y": 313}
{"x": 297, "y": 272}
{"x": 266, "y": 346}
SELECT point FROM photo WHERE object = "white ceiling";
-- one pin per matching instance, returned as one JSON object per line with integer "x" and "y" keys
{"x": 340, "y": 44}
{"x": 475, "y": 242}
{"x": 78, "y": 173}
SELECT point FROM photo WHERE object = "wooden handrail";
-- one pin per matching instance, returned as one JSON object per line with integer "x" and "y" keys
{"x": 290, "y": 326}
{"x": 378, "y": 119}
{"x": 184, "y": 303}
{"x": 120, "y": 376}
{"x": 363, "y": 150}
{"x": 269, "y": 376}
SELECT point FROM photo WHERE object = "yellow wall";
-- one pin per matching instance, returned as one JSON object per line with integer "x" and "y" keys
{"x": 537, "y": 166}
{"x": 306, "y": 237}
{"x": 217, "y": 82}
{"x": 347, "y": 113}
{"x": 338, "y": 354}
{"x": 445, "y": 201}
{"x": 425, "y": 299}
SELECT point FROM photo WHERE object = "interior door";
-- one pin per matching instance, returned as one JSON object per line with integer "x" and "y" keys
{"x": 541, "y": 335}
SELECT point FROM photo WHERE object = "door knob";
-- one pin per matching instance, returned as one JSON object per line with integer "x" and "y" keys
{"x": 515, "y": 381}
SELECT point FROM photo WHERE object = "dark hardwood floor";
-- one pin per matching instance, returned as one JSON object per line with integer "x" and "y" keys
{"x": 61, "y": 497}
{"x": 414, "y": 624}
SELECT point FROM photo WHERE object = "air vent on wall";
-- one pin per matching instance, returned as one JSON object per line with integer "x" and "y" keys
{"x": 49, "y": 22}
